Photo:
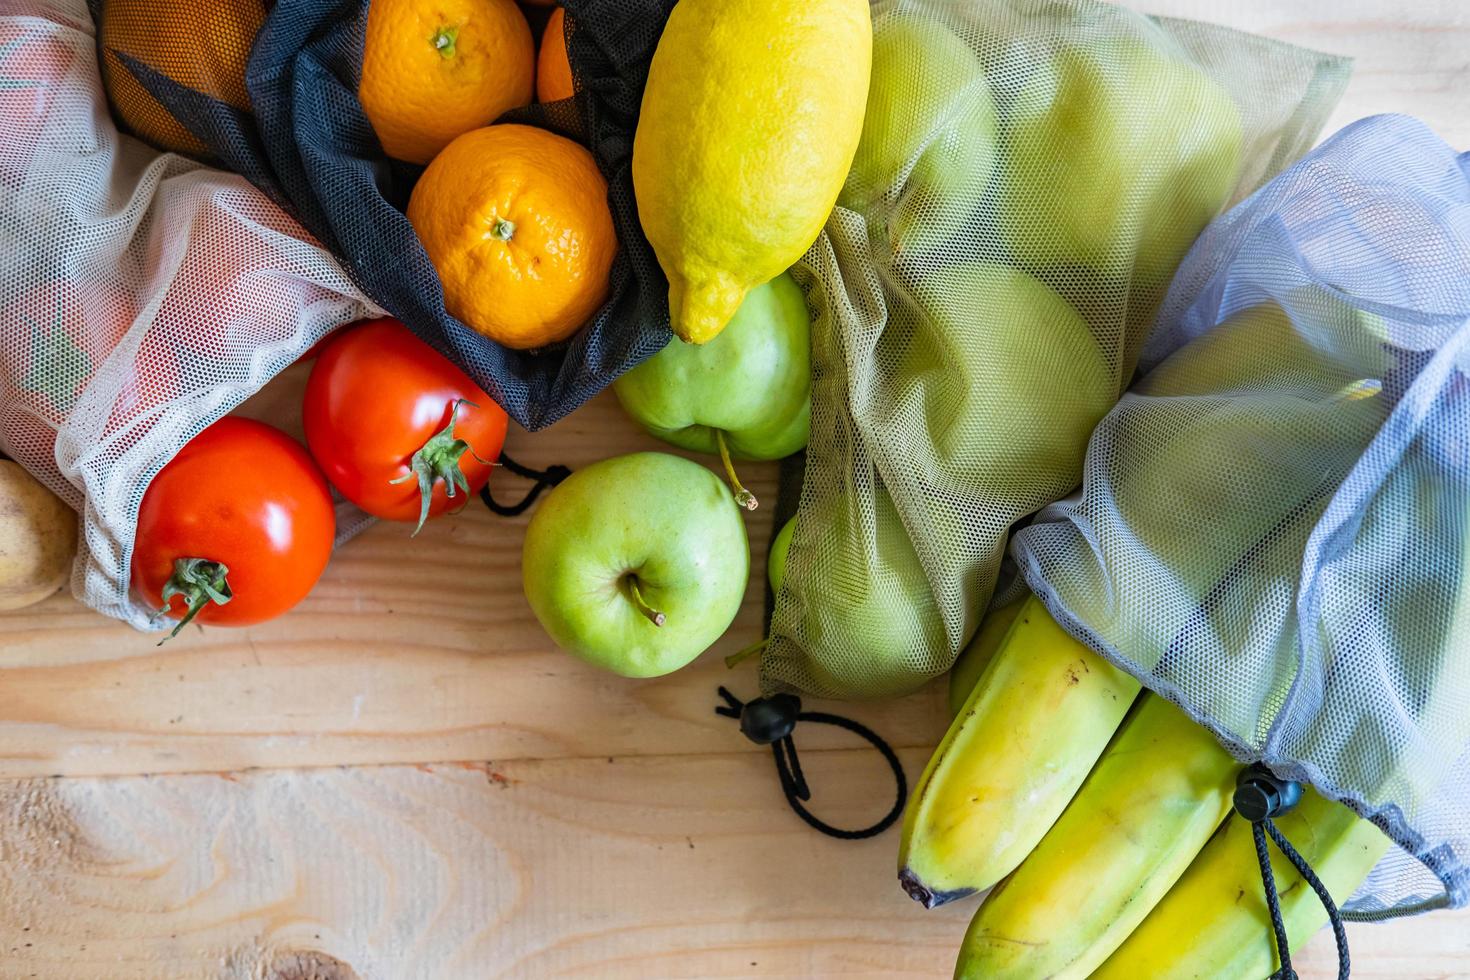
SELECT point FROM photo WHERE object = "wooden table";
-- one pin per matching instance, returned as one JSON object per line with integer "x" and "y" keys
{"x": 467, "y": 801}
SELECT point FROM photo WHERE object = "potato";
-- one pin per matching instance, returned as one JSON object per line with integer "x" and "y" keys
{"x": 38, "y": 539}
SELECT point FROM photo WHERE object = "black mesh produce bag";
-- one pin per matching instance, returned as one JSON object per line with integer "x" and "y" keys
{"x": 307, "y": 144}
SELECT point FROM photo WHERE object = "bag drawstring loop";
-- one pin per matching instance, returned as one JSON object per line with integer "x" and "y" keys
{"x": 770, "y": 720}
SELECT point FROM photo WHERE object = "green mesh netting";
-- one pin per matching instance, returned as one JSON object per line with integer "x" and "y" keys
{"x": 1030, "y": 176}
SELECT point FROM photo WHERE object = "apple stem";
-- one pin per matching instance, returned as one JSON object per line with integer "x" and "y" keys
{"x": 653, "y": 615}
{"x": 740, "y": 656}
{"x": 743, "y": 497}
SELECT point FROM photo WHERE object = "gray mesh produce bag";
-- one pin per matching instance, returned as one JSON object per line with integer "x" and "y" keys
{"x": 142, "y": 295}
{"x": 1029, "y": 177}
{"x": 1274, "y": 524}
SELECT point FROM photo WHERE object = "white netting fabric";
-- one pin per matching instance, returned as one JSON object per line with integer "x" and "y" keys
{"x": 1030, "y": 175}
{"x": 142, "y": 296}
{"x": 1274, "y": 525}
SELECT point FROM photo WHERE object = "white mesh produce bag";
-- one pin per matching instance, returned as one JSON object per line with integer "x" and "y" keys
{"x": 1030, "y": 174}
{"x": 142, "y": 296}
{"x": 1274, "y": 525}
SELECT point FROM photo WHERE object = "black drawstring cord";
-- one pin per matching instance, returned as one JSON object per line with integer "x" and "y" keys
{"x": 544, "y": 479}
{"x": 1268, "y": 881}
{"x": 769, "y": 721}
{"x": 1259, "y": 796}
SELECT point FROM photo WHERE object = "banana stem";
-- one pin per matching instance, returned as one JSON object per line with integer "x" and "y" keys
{"x": 651, "y": 614}
{"x": 740, "y": 656}
{"x": 743, "y": 497}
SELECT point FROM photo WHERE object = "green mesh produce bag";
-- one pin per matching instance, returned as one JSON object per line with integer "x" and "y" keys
{"x": 1030, "y": 176}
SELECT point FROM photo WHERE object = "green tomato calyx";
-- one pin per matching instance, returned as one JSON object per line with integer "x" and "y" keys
{"x": 743, "y": 497}
{"x": 200, "y": 581}
{"x": 636, "y": 597}
{"x": 439, "y": 459}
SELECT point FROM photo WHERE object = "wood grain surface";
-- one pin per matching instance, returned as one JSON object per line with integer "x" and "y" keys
{"x": 621, "y": 830}
{"x": 684, "y": 866}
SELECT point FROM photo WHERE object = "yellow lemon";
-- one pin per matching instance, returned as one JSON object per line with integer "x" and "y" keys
{"x": 750, "y": 120}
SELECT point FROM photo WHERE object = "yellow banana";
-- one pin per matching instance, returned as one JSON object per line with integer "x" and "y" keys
{"x": 974, "y": 658}
{"x": 1214, "y": 921}
{"x": 1040, "y": 715}
{"x": 1148, "y": 807}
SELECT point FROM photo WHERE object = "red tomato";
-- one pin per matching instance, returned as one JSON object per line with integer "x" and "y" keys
{"x": 234, "y": 285}
{"x": 244, "y": 496}
{"x": 395, "y": 426}
{"x": 35, "y": 75}
{"x": 56, "y": 336}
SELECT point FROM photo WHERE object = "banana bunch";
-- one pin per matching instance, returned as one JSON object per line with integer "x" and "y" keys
{"x": 1104, "y": 825}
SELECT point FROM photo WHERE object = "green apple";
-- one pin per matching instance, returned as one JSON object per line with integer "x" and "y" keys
{"x": 869, "y": 619}
{"x": 1117, "y": 155}
{"x": 997, "y": 388}
{"x": 1326, "y": 352}
{"x": 637, "y": 563}
{"x": 776, "y": 560}
{"x": 929, "y": 136}
{"x": 1222, "y": 464}
{"x": 749, "y": 388}
{"x": 1410, "y": 569}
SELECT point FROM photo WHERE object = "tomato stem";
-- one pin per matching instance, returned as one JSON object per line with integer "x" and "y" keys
{"x": 743, "y": 497}
{"x": 740, "y": 656}
{"x": 439, "y": 459}
{"x": 653, "y": 615}
{"x": 200, "y": 581}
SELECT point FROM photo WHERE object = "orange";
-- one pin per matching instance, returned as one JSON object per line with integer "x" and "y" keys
{"x": 553, "y": 70}
{"x": 201, "y": 44}
{"x": 515, "y": 219}
{"x": 433, "y": 69}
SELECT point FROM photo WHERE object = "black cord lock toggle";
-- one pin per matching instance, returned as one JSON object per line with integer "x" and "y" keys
{"x": 1261, "y": 795}
{"x": 768, "y": 720}
{"x": 771, "y": 720}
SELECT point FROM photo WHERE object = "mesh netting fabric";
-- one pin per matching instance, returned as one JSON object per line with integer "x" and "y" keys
{"x": 305, "y": 140}
{"x": 1029, "y": 177}
{"x": 1274, "y": 524}
{"x": 142, "y": 296}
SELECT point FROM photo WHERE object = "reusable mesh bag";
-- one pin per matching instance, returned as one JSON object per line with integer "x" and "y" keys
{"x": 142, "y": 296}
{"x": 299, "y": 133}
{"x": 1030, "y": 175}
{"x": 1274, "y": 525}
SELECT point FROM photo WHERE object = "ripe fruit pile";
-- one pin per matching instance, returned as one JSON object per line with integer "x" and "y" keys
{"x": 240, "y": 524}
{"x": 1097, "y": 816}
{"x": 514, "y": 219}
